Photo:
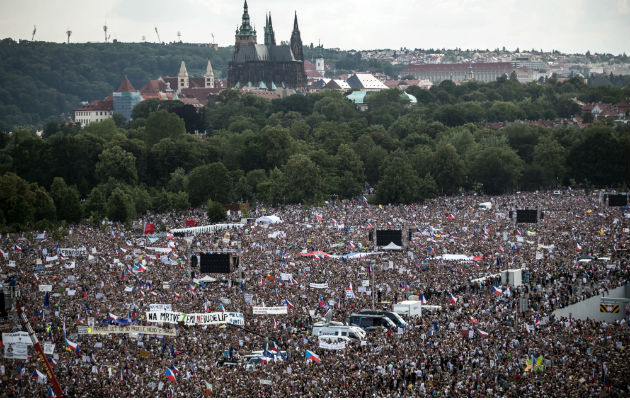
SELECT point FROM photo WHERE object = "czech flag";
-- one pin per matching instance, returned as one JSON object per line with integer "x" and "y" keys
{"x": 111, "y": 317}
{"x": 51, "y": 394}
{"x": 170, "y": 375}
{"x": 309, "y": 355}
{"x": 496, "y": 290}
{"x": 423, "y": 300}
{"x": 174, "y": 369}
{"x": 578, "y": 247}
{"x": 221, "y": 308}
{"x": 473, "y": 320}
{"x": 289, "y": 304}
{"x": 482, "y": 333}
{"x": 17, "y": 248}
{"x": 452, "y": 298}
{"x": 177, "y": 295}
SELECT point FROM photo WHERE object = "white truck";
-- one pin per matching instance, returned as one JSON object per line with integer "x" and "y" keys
{"x": 413, "y": 307}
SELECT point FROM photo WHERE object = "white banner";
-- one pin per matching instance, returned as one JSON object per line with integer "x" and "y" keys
{"x": 319, "y": 285}
{"x": 132, "y": 329}
{"x": 265, "y": 382}
{"x": 286, "y": 277}
{"x": 365, "y": 282}
{"x": 159, "y": 249}
{"x": 215, "y": 318}
{"x": 332, "y": 346}
{"x": 207, "y": 228}
{"x": 269, "y": 310}
{"x": 16, "y": 337}
{"x": 81, "y": 251}
{"x": 45, "y": 288}
{"x": 53, "y": 258}
{"x": 16, "y": 351}
{"x": 349, "y": 294}
{"x": 248, "y": 298}
{"x": 160, "y": 307}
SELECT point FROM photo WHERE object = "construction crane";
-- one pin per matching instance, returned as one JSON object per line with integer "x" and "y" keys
{"x": 68, "y": 32}
{"x": 158, "y": 35}
{"x": 34, "y": 30}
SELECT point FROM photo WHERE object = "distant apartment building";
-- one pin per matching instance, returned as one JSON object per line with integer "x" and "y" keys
{"x": 436, "y": 73}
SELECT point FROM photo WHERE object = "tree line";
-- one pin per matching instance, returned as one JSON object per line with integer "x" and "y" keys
{"x": 300, "y": 149}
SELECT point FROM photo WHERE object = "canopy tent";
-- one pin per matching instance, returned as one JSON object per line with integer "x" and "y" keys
{"x": 392, "y": 246}
{"x": 268, "y": 219}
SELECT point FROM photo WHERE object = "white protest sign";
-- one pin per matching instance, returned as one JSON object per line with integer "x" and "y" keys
{"x": 332, "y": 346}
{"x": 45, "y": 288}
{"x": 16, "y": 337}
{"x": 318, "y": 285}
{"x": 81, "y": 251}
{"x": 11, "y": 263}
{"x": 49, "y": 348}
{"x": 160, "y": 307}
{"x": 265, "y": 382}
{"x": 269, "y": 310}
{"x": 286, "y": 277}
{"x": 16, "y": 351}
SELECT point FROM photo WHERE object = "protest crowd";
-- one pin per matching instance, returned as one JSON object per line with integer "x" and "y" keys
{"x": 479, "y": 344}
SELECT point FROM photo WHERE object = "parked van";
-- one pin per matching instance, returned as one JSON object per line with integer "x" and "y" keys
{"x": 371, "y": 322}
{"x": 352, "y": 332}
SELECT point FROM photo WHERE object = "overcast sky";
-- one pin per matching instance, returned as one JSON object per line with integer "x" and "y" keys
{"x": 565, "y": 25}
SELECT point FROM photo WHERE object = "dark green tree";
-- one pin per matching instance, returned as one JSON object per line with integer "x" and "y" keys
{"x": 215, "y": 211}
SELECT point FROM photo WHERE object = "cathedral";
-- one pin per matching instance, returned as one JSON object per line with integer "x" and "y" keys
{"x": 266, "y": 65}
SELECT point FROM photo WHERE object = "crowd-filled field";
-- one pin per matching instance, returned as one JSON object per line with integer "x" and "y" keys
{"x": 315, "y": 260}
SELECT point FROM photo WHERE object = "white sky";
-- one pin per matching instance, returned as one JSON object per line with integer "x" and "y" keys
{"x": 565, "y": 25}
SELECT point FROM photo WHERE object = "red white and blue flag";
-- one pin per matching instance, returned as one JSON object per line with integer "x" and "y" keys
{"x": 452, "y": 298}
{"x": 170, "y": 375}
{"x": 309, "y": 355}
{"x": 496, "y": 290}
{"x": 423, "y": 300}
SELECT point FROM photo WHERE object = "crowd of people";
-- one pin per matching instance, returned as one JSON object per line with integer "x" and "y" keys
{"x": 479, "y": 344}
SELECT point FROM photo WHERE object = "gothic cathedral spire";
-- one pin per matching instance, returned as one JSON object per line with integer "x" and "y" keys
{"x": 296, "y": 41}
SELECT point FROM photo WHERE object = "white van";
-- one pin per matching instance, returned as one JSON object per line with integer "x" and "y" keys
{"x": 352, "y": 332}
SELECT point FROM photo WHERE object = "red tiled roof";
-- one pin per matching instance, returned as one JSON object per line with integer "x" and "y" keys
{"x": 309, "y": 66}
{"x": 153, "y": 86}
{"x": 98, "y": 105}
{"x": 126, "y": 86}
{"x": 201, "y": 94}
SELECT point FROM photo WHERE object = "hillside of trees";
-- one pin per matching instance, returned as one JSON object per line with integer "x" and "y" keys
{"x": 308, "y": 149}
{"x": 41, "y": 81}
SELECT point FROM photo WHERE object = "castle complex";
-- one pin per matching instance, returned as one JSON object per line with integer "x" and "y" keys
{"x": 266, "y": 65}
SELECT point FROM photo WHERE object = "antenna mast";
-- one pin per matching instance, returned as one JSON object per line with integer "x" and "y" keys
{"x": 34, "y": 30}
{"x": 68, "y": 32}
{"x": 179, "y": 36}
{"x": 158, "y": 35}
{"x": 105, "y": 30}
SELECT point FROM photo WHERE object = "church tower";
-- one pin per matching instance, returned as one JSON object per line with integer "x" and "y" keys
{"x": 270, "y": 36}
{"x": 245, "y": 34}
{"x": 296, "y": 41}
{"x": 319, "y": 62}
{"x": 182, "y": 78}
{"x": 209, "y": 76}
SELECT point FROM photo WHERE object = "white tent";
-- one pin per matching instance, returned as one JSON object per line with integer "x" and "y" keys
{"x": 268, "y": 219}
{"x": 392, "y": 246}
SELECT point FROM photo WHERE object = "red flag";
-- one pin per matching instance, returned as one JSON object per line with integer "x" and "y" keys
{"x": 149, "y": 229}
{"x": 190, "y": 222}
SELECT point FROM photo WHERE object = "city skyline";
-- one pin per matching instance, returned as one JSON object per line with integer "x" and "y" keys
{"x": 563, "y": 25}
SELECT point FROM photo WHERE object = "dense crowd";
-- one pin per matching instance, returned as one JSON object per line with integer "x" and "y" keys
{"x": 434, "y": 355}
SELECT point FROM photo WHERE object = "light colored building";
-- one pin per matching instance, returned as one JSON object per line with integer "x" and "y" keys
{"x": 366, "y": 82}
{"x": 436, "y": 73}
{"x": 97, "y": 110}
